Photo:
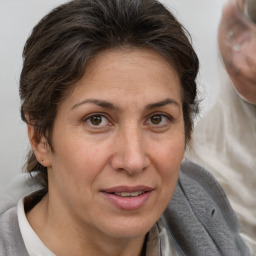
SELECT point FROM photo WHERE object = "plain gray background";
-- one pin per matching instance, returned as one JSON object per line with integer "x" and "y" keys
{"x": 18, "y": 17}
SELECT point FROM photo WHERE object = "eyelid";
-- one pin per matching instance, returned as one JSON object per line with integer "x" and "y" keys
{"x": 104, "y": 115}
{"x": 168, "y": 116}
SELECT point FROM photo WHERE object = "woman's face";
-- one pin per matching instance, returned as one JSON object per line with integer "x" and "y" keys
{"x": 118, "y": 143}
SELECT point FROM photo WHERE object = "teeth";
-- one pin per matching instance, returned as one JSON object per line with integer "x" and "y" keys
{"x": 127, "y": 194}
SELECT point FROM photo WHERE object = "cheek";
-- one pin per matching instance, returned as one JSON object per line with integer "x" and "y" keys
{"x": 81, "y": 161}
{"x": 168, "y": 166}
{"x": 168, "y": 159}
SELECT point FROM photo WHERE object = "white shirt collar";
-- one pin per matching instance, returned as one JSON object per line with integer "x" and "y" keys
{"x": 33, "y": 244}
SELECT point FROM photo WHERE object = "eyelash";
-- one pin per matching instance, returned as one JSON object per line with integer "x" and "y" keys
{"x": 167, "y": 118}
{"x": 102, "y": 116}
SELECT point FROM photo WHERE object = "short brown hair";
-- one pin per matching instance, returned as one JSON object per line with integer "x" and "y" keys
{"x": 61, "y": 44}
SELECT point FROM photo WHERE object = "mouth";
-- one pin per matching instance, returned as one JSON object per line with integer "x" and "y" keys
{"x": 128, "y": 198}
{"x": 128, "y": 191}
{"x": 127, "y": 194}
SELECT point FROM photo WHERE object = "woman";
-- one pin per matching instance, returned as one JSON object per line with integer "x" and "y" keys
{"x": 108, "y": 94}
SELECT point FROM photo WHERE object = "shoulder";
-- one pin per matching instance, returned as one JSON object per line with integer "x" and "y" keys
{"x": 200, "y": 217}
{"x": 11, "y": 242}
{"x": 201, "y": 189}
{"x": 19, "y": 187}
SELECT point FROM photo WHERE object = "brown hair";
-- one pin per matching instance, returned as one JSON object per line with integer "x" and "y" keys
{"x": 61, "y": 44}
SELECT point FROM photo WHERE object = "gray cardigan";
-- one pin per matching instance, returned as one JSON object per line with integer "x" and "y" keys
{"x": 199, "y": 218}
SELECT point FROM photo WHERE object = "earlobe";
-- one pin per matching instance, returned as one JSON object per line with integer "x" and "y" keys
{"x": 40, "y": 146}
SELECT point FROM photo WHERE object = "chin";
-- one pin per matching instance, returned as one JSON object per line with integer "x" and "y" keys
{"x": 249, "y": 98}
{"x": 131, "y": 228}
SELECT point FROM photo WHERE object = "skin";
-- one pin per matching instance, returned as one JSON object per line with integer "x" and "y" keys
{"x": 138, "y": 140}
{"x": 237, "y": 44}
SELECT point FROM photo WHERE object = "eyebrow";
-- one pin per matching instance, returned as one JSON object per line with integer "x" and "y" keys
{"x": 106, "y": 104}
{"x": 162, "y": 103}
{"x": 101, "y": 103}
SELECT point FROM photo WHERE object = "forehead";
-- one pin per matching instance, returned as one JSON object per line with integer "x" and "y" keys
{"x": 128, "y": 73}
{"x": 126, "y": 57}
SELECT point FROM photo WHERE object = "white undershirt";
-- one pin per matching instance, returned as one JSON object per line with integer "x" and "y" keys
{"x": 158, "y": 245}
{"x": 34, "y": 245}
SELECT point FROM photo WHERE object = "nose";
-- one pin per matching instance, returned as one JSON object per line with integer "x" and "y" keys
{"x": 130, "y": 155}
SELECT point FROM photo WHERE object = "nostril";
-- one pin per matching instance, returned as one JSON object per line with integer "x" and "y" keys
{"x": 213, "y": 212}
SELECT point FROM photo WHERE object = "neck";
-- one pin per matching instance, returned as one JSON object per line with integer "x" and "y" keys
{"x": 64, "y": 235}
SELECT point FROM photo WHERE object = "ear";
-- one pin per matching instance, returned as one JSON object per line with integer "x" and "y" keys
{"x": 40, "y": 146}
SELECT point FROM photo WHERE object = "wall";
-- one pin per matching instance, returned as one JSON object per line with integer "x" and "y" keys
{"x": 17, "y": 18}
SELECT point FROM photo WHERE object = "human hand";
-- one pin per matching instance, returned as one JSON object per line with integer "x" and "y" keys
{"x": 237, "y": 44}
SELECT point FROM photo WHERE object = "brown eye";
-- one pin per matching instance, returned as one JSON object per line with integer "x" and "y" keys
{"x": 97, "y": 120}
{"x": 159, "y": 120}
{"x": 156, "y": 119}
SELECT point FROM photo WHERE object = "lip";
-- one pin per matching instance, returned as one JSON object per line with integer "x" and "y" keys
{"x": 127, "y": 203}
